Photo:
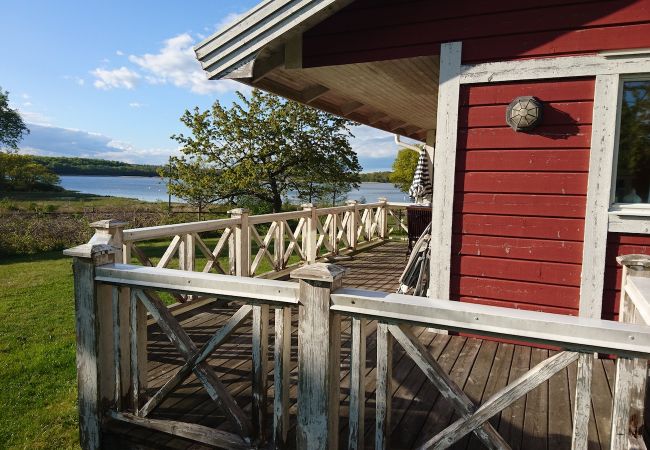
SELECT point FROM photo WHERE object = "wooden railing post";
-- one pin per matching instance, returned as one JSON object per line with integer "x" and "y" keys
{"x": 279, "y": 246}
{"x": 319, "y": 350}
{"x": 383, "y": 219}
{"x": 93, "y": 311}
{"x": 310, "y": 234}
{"x": 629, "y": 400}
{"x": 242, "y": 242}
{"x": 353, "y": 224}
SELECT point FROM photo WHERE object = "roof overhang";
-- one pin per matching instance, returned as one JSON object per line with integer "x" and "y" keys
{"x": 271, "y": 23}
{"x": 263, "y": 49}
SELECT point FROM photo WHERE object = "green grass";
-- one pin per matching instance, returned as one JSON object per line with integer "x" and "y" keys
{"x": 37, "y": 353}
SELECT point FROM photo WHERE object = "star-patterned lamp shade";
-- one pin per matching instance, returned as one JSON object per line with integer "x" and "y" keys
{"x": 524, "y": 113}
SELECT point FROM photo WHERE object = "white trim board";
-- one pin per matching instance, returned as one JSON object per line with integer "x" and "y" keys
{"x": 444, "y": 167}
{"x": 266, "y": 24}
{"x": 601, "y": 157}
{"x": 547, "y": 68}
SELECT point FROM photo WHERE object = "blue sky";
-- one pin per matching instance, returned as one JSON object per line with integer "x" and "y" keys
{"x": 110, "y": 79}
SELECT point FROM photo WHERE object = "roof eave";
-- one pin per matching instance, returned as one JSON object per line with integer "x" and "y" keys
{"x": 269, "y": 23}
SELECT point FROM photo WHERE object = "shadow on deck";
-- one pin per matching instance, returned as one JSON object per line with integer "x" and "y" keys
{"x": 540, "y": 420}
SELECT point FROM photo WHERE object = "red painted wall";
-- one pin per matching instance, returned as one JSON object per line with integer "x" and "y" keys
{"x": 520, "y": 197}
{"x": 372, "y": 30}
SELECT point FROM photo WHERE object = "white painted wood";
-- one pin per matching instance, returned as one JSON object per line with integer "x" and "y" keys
{"x": 582, "y": 404}
{"x": 621, "y": 403}
{"x": 357, "y": 385}
{"x": 575, "y": 333}
{"x": 548, "y": 68}
{"x": 198, "y": 433}
{"x": 260, "y": 369}
{"x": 204, "y": 373}
{"x": 310, "y": 234}
{"x": 352, "y": 225}
{"x": 208, "y": 284}
{"x": 281, "y": 377}
{"x": 143, "y": 234}
{"x": 444, "y": 384}
{"x": 170, "y": 252}
{"x": 117, "y": 348}
{"x": 279, "y": 246}
{"x": 242, "y": 242}
{"x": 601, "y": 160}
{"x": 444, "y": 167}
{"x": 638, "y": 292}
{"x": 319, "y": 344}
{"x": 136, "y": 389}
{"x": 184, "y": 371}
{"x": 384, "y": 388}
{"x": 88, "y": 364}
{"x": 500, "y": 400}
{"x": 274, "y": 217}
{"x": 619, "y": 223}
{"x": 240, "y": 43}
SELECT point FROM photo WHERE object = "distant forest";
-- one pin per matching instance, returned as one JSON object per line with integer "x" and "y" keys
{"x": 375, "y": 177}
{"x": 87, "y": 166}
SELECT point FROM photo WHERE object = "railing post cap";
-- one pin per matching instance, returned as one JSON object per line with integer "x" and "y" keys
{"x": 637, "y": 261}
{"x": 108, "y": 224}
{"x": 323, "y": 272}
{"x": 239, "y": 211}
{"x": 351, "y": 202}
{"x": 307, "y": 205}
{"x": 89, "y": 251}
{"x": 382, "y": 199}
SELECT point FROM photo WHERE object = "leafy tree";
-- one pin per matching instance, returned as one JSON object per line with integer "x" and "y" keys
{"x": 193, "y": 180}
{"x": 633, "y": 172}
{"x": 12, "y": 127}
{"x": 404, "y": 169}
{"x": 21, "y": 172}
{"x": 263, "y": 147}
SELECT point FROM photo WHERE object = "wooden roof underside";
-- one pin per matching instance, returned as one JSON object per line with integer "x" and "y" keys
{"x": 398, "y": 96}
{"x": 264, "y": 49}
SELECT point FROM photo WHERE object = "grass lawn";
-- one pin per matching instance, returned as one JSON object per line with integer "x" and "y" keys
{"x": 37, "y": 353}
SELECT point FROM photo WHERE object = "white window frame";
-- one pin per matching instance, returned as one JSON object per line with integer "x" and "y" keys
{"x": 626, "y": 217}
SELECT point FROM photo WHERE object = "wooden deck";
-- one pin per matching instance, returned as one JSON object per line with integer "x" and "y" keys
{"x": 540, "y": 420}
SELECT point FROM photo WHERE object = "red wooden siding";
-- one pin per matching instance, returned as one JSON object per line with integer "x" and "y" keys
{"x": 619, "y": 244}
{"x": 372, "y": 30}
{"x": 520, "y": 198}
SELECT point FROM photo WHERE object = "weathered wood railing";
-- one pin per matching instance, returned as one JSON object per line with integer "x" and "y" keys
{"x": 242, "y": 243}
{"x": 112, "y": 301}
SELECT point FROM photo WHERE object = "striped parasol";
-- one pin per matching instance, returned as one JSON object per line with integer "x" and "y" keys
{"x": 420, "y": 189}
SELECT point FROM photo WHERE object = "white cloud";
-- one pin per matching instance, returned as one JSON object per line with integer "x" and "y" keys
{"x": 77, "y": 80}
{"x": 175, "y": 63}
{"x": 26, "y": 96}
{"x": 119, "y": 52}
{"x": 27, "y": 103}
{"x": 372, "y": 143}
{"x": 35, "y": 117}
{"x": 57, "y": 141}
{"x": 115, "y": 78}
{"x": 230, "y": 19}
{"x": 136, "y": 105}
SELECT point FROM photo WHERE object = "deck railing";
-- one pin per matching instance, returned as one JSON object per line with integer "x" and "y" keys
{"x": 112, "y": 301}
{"x": 242, "y": 244}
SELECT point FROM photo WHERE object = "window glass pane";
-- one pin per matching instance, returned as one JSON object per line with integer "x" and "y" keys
{"x": 633, "y": 166}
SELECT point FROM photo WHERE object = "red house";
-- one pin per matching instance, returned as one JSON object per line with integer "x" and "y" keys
{"x": 528, "y": 219}
{"x": 536, "y": 117}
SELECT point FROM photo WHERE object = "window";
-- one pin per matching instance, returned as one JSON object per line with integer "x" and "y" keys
{"x": 632, "y": 174}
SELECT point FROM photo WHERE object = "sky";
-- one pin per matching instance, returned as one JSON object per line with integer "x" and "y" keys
{"x": 111, "y": 79}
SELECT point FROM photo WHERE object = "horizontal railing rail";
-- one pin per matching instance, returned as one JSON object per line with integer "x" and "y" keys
{"x": 265, "y": 245}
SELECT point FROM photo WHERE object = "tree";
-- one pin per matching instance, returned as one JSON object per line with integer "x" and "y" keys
{"x": 404, "y": 169}
{"x": 192, "y": 180}
{"x": 264, "y": 147}
{"x": 21, "y": 172}
{"x": 12, "y": 127}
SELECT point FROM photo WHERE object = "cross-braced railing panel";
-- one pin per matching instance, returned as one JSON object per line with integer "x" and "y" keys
{"x": 579, "y": 338}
